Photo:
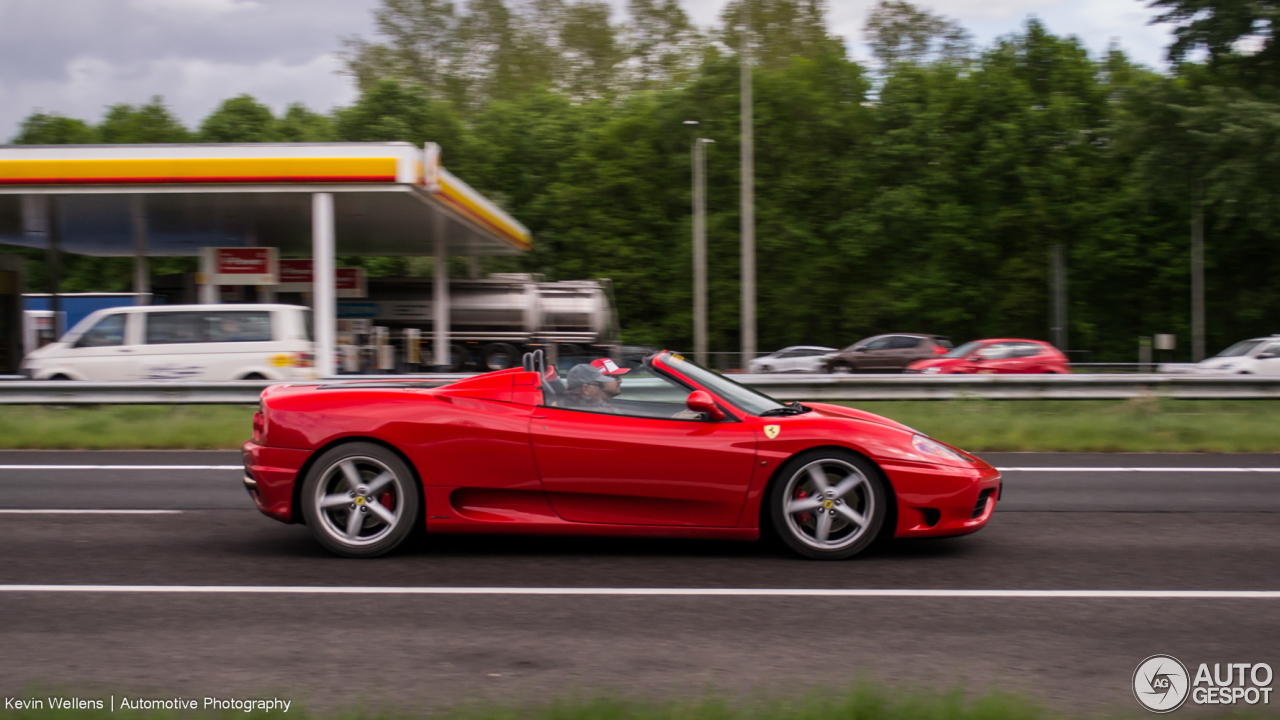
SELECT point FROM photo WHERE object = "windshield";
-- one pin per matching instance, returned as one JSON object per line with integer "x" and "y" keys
{"x": 1244, "y": 347}
{"x": 963, "y": 350}
{"x": 741, "y": 397}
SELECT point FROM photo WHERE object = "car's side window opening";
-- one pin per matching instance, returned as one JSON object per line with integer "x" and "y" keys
{"x": 170, "y": 328}
{"x": 640, "y": 392}
{"x": 107, "y": 332}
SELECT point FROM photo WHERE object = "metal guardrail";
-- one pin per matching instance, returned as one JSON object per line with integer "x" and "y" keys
{"x": 1012, "y": 387}
{"x": 782, "y": 387}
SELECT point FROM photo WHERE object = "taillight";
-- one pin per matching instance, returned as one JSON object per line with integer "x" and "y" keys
{"x": 302, "y": 359}
{"x": 939, "y": 350}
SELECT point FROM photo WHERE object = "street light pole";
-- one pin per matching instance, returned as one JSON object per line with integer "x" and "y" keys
{"x": 748, "y": 195}
{"x": 699, "y": 246}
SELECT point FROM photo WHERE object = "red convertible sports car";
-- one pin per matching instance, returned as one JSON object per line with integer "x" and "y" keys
{"x": 666, "y": 449}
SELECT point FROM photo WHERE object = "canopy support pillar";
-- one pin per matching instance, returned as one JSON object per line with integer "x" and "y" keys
{"x": 325, "y": 308}
{"x": 141, "y": 272}
{"x": 441, "y": 288}
{"x": 53, "y": 261}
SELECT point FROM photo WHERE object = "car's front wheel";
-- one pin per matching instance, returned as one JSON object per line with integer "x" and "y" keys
{"x": 828, "y": 504}
{"x": 360, "y": 500}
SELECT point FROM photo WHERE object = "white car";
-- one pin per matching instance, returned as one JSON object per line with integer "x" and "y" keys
{"x": 181, "y": 342}
{"x": 1259, "y": 356}
{"x": 797, "y": 358}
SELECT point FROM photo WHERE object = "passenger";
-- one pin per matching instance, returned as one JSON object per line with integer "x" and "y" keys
{"x": 585, "y": 389}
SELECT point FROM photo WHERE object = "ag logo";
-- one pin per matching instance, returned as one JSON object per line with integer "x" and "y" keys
{"x": 1161, "y": 683}
{"x": 771, "y": 431}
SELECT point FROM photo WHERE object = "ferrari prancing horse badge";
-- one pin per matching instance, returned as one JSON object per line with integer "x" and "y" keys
{"x": 771, "y": 431}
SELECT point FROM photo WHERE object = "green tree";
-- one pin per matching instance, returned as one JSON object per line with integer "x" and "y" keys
{"x": 302, "y": 125}
{"x": 238, "y": 120}
{"x": 781, "y": 29}
{"x": 150, "y": 123}
{"x": 53, "y": 129}
{"x": 899, "y": 31}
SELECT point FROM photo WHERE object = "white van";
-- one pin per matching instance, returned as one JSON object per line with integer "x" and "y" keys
{"x": 181, "y": 342}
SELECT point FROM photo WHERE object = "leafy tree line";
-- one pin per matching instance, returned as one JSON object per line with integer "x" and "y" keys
{"x": 922, "y": 191}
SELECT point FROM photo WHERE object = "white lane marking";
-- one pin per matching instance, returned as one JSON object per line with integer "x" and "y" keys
{"x": 56, "y": 511}
{"x": 121, "y": 467}
{"x": 1143, "y": 469}
{"x": 649, "y": 592}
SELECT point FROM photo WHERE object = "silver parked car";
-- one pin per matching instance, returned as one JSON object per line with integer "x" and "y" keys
{"x": 797, "y": 358}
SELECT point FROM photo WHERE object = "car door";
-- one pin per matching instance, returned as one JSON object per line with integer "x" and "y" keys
{"x": 787, "y": 360}
{"x": 1267, "y": 361}
{"x": 104, "y": 352}
{"x": 873, "y": 356}
{"x": 904, "y": 350}
{"x": 640, "y": 464}
{"x": 807, "y": 360}
{"x": 1016, "y": 358}
{"x": 995, "y": 359}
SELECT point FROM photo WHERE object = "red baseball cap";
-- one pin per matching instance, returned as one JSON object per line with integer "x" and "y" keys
{"x": 609, "y": 367}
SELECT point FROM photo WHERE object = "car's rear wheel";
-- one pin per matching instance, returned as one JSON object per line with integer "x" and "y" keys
{"x": 828, "y": 504}
{"x": 360, "y": 500}
{"x": 842, "y": 369}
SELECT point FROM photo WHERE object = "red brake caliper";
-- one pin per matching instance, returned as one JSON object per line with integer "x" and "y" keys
{"x": 804, "y": 516}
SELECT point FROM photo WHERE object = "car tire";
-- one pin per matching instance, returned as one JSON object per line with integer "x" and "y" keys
{"x": 842, "y": 369}
{"x": 329, "y": 516}
{"x": 764, "y": 369}
{"x": 254, "y": 376}
{"x": 499, "y": 356}
{"x": 458, "y": 357}
{"x": 58, "y": 377}
{"x": 842, "y": 524}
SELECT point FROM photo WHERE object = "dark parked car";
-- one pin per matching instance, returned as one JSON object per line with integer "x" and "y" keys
{"x": 886, "y": 353}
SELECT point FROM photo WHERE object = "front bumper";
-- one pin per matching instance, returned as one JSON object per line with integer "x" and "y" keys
{"x": 942, "y": 500}
{"x": 269, "y": 476}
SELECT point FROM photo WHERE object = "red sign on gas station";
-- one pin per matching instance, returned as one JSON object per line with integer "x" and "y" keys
{"x": 242, "y": 266}
{"x": 296, "y": 276}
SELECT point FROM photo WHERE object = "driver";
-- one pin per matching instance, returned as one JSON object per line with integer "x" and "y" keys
{"x": 591, "y": 386}
{"x": 613, "y": 373}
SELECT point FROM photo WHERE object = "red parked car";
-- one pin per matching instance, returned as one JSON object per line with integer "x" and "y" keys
{"x": 679, "y": 452}
{"x": 999, "y": 356}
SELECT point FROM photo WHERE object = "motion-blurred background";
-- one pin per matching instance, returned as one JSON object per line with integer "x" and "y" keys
{"x": 931, "y": 185}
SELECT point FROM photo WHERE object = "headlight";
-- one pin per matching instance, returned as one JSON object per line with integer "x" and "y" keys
{"x": 933, "y": 448}
{"x": 931, "y": 370}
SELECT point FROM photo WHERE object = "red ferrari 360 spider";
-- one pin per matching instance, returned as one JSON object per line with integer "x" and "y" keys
{"x": 666, "y": 449}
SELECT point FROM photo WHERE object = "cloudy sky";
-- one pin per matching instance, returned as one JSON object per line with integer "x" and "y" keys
{"x": 75, "y": 57}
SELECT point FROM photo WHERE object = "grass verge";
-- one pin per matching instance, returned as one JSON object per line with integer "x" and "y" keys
{"x": 977, "y": 425}
{"x": 1146, "y": 425}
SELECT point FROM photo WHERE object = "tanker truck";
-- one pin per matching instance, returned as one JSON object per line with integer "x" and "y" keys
{"x": 492, "y": 322}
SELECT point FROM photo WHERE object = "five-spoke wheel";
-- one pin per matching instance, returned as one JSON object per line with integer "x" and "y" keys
{"x": 828, "y": 504}
{"x": 360, "y": 500}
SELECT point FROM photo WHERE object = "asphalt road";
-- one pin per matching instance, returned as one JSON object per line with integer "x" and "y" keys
{"x": 1058, "y": 529}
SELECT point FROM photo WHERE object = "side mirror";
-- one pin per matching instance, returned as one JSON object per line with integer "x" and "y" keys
{"x": 700, "y": 402}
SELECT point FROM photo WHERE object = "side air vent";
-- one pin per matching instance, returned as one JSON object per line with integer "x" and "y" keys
{"x": 981, "y": 505}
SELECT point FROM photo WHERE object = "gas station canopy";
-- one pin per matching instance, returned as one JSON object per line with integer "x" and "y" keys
{"x": 386, "y": 196}
{"x": 317, "y": 199}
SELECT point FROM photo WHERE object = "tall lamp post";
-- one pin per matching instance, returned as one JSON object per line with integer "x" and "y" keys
{"x": 748, "y": 195}
{"x": 699, "y": 245}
